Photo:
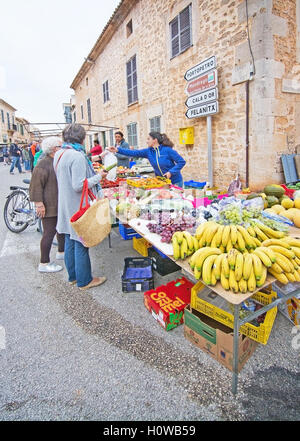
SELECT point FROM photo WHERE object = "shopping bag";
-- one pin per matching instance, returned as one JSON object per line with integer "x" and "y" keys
{"x": 92, "y": 222}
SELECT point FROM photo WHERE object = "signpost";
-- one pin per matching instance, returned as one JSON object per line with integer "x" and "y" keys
{"x": 202, "y": 99}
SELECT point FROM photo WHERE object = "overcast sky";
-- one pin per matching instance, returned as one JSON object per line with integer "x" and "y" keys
{"x": 43, "y": 44}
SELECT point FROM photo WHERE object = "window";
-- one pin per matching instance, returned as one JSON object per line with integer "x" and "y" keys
{"x": 8, "y": 121}
{"x": 2, "y": 116}
{"x": 22, "y": 129}
{"x": 111, "y": 137}
{"x": 181, "y": 32}
{"x": 5, "y": 139}
{"x": 132, "y": 81}
{"x": 81, "y": 108}
{"x": 132, "y": 134}
{"x": 105, "y": 92}
{"x": 87, "y": 81}
{"x": 74, "y": 117}
{"x": 155, "y": 124}
{"x": 104, "y": 139}
{"x": 13, "y": 119}
{"x": 88, "y": 103}
{"x": 129, "y": 28}
{"x": 91, "y": 141}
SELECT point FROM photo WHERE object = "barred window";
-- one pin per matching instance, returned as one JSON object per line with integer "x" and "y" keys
{"x": 132, "y": 88}
{"x": 181, "y": 32}
{"x": 132, "y": 134}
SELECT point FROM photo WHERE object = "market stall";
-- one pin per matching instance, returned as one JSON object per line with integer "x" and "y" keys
{"x": 256, "y": 234}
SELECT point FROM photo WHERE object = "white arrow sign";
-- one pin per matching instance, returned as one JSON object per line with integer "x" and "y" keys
{"x": 201, "y": 68}
{"x": 203, "y": 110}
{"x": 203, "y": 97}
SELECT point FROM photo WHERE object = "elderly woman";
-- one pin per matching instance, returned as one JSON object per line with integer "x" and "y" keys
{"x": 44, "y": 193}
{"x": 72, "y": 168}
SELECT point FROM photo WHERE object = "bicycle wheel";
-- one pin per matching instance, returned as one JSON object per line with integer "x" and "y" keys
{"x": 15, "y": 219}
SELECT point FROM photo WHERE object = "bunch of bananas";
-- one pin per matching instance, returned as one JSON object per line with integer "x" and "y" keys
{"x": 286, "y": 267}
{"x": 226, "y": 237}
{"x": 184, "y": 244}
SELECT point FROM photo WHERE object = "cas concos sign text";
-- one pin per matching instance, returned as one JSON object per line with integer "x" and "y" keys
{"x": 201, "y": 68}
{"x": 203, "y": 110}
{"x": 203, "y": 97}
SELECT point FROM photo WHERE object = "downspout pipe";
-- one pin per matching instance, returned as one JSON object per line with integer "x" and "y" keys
{"x": 247, "y": 133}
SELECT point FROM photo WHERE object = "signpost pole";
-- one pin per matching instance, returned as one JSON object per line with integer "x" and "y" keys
{"x": 209, "y": 150}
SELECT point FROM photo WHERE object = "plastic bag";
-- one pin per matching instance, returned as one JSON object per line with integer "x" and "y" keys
{"x": 110, "y": 159}
{"x": 235, "y": 186}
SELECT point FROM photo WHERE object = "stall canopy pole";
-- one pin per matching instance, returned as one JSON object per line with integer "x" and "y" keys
{"x": 209, "y": 151}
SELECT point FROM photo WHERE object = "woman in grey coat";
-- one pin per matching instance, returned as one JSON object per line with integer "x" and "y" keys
{"x": 72, "y": 167}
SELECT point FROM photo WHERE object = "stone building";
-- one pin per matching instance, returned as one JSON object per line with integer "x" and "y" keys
{"x": 7, "y": 122}
{"x": 133, "y": 78}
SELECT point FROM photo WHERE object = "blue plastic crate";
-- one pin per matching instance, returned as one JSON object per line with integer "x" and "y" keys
{"x": 194, "y": 184}
{"x": 160, "y": 253}
{"x": 128, "y": 233}
{"x": 137, "y": 275}
{"x": 289, "y": 168}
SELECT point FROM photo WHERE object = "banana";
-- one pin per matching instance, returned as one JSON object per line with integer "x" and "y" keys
{"x": 270, "y": 232}
{"x": 241, "y": 242}
{"x": 196, "y": 243}
{"x": 213, "y": 277}
{"x": 263, "y": 257}
{"x": 251, "y": 231}
{"x": 263, "y": 278}
{"x": 207, "y": 269}
{"x": 247, "y": 266}
{"x": 218, "y": 235}
{"x": 214, "y": 242}
{"x": 269, "y": 252}
{"x": 257, "y": 266}
{"x": 229, "y": 245}
{"x": 189, "y": 240}
{"x": 197, "y": 273}
{"x": 179, "y": 237}
{"x": 297, "y": 276}
{"x": 184, "y": 249}
{"x": 296, "y": 251}
{"x": 225, "y": 235}
{"x": 205, "y": 252}
{"x": 192, "y": 261}
{"x": 251, "y": 281}
{"x": 284, "y": 263}
{"x": 201, "y": 229}
{"x": 292, "y": 242}
{"x": 257, "y": 241}
{"x": 239, "y": 263}
{"x": 260, "y": 234}
{"x": 222, "y": 249}
{"x": 225, "y": 266}
{"x": 232, "y": 257}
{"x": 291, "y": 277}
{"x": 278, "y": 242}
{"x": 281, "y": 277}
{"x": 277, "y": 268}
{"x": 232, "y": 282}
{"x": 224, "y": 281}
{"x": 233, "y": 234}
{"x": 287, "y": 253}
{"x": 210, "y": 232}
{"x": 218, "y": 266}
{"x": 243, "y": 286}
{"x": 247, "y": 238}
{"x": 297, "y": 260}
{"x": 176, "y": 248}
{"x": 202, "y": 241}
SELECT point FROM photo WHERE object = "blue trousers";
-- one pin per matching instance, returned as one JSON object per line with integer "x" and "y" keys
{"x": 15, "y": 163}
{"x": 77, "y": 262}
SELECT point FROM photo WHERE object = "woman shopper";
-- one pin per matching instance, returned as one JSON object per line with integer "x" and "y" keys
{"x": 43, "y": 192}
{"x": 26, "y": 158}
{"x": 165, "y": 161}
{"x": 72, "y": 168}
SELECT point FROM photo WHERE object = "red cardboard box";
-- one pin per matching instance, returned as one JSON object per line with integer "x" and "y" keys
{"x": 167, "y": 302}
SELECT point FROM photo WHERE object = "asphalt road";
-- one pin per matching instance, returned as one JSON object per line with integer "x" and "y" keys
{"x": 99, "y": 355}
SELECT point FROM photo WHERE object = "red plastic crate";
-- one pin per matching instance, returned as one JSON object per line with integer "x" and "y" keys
{"x": 288, "y": 191}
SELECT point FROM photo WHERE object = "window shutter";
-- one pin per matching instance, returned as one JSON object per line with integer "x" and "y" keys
{"x": 175, "y": 37}
{"x": 185, "y": 29}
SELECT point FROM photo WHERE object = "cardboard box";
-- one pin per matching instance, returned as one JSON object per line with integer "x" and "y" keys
{"x": 291, "y": 308}
{"x": 196, "y": 193}
{"x": 167, "y": 302}
{"x": 216, "y": 339}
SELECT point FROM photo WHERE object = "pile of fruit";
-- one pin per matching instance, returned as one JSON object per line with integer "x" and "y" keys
{"x": 237, "y": 257}
{"x": 288, "y": 208}
{"x": 167, "y": 226}
{"x": 105, "y": 183}
{"x": 126, "y": 172}
{"x": 148, "y": 183}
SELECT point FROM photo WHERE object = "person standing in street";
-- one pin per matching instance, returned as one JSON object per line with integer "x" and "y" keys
{"x": 15, "y": 153}
{"x": 26, "y": 158}
{"x": 72, "y": 168}
{"x": 6, "y": 155}
{"x": 44, "y": 193}
{"x": 32, "y": 151}
{"x": 123, "y": 161}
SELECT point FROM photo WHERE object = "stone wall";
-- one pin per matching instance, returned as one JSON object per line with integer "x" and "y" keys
{"x": 219, "y": 28}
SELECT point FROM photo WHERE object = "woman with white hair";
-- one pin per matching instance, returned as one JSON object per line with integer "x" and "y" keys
{"x": 44, "y": 193}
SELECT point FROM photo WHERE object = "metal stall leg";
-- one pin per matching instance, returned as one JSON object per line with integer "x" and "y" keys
{"x": 109, "y": 241}
{"x": 235, "y": 348}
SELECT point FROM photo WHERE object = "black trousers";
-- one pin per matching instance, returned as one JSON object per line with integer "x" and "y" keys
{"x": 49, "y": 227}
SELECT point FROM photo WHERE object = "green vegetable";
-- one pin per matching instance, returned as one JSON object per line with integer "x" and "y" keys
{"x": 109, "y": 168}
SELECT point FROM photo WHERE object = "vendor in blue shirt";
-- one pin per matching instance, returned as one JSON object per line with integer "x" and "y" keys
{"x": 164, "y": 160}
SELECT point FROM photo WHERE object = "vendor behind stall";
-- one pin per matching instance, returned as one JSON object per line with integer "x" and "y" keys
{"x": 164, "y": 160}
{"x": 123, "y": 160}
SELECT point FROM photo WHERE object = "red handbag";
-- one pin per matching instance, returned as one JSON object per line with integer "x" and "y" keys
{"x": 86, "y": 194}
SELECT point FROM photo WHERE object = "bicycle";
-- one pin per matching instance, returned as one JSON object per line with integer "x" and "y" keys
{"x": 19, "y": 212}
